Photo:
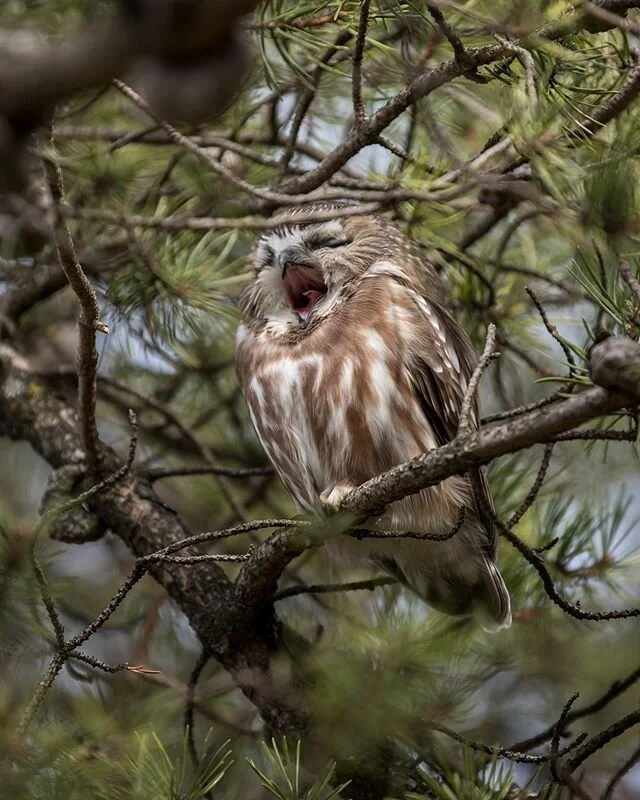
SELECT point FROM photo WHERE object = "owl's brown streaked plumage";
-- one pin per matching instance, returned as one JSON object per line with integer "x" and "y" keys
{"x": 351, "y": 364}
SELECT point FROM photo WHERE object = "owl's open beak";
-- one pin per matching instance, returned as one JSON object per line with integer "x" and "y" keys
{"x": 286, "y": 259}
{"x": 304, "y": 287}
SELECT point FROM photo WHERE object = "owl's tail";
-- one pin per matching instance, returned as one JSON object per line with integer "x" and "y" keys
{"x": 491, "y": 602}
{"x": 452, "y": 587}
{"x": 486, "y": 599}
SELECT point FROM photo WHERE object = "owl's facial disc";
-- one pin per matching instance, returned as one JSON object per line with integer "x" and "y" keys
{"x": 304, "y": 288}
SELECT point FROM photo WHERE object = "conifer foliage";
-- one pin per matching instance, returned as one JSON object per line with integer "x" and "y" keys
{"x": 169, "y": 627}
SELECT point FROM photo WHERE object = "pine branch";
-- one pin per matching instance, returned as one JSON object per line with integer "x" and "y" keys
{"x": 615, "y": 364}
{"x": 617, "y": 688}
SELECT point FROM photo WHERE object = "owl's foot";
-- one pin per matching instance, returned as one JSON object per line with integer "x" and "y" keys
{"x": 333, "y": 496}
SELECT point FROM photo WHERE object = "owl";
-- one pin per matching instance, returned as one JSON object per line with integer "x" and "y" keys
{"x": 350, "y": 363}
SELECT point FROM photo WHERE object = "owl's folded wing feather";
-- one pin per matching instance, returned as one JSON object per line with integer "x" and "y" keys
{"x": 441, "y": 360}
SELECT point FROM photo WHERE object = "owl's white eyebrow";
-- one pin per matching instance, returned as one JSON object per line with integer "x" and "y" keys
{"x": 293, "y": 238}
{"x": 331, "y": 228}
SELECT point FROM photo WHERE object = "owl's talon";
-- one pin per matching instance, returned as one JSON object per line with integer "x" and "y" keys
{"x": 332, "y": 498}
{"x": 327, "y": 506}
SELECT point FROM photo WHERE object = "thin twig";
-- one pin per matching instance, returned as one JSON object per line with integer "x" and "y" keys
{"x": 610, "y": 19}
{"x": 516, "y": 412}
{"x": 558, "y": 283}
{"x": 269, "y": 198}
{"x": 395, "y": 150}
{"x": 501, "y": 752}
{"x": 596, "y": 435}
{"x": 110, "y": 669}
{"x": 510, "y": 230}
{"x": 216, "y": 470}
{"x": 555, "y": 739}
{"x": 468, "y": 420}
{"x": 602, "y": 739}
{"x": 612, "y": 108}
{"x": 469, "y": 264}
{"x": 161, "y": 473}
{"x": 368, "y": 132}
{"x": 61, "y": 509}
{"x": 63, "y": 648}
{"x": 535, "y": 489}
{"x": 329, "y": 588}
{"x": 529, "y": 64}
{"x": 356, "y": 70}
{"x": 46, "y": 595}
{"x": 306, "y": 98}
{"x": 628, "y": 765}
{"x": 552, "y": 330}
{"x": 144, "y": 563}
{"x": 297, "y": 24}
{"x": 538, "y": 563}
{"x": 205, "y": 557}
{"x": 541, "y": 369}
{"x": 366, "y": 533}
{"x": 449, "y": 32}
{"x": 46, "y": 682}
{"x": 191, "y": 223}
{"x": 88, "y": 323}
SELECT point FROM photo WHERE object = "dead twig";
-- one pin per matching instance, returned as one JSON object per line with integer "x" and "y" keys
{"x": 468, "y": 420}
{"x": 89, "y": 321}
{"x": 356, "y": 73}
{"x": 629, "y": 278}
{"x": 330, "y": 588}
{"x": 552, "y": 330}
{"x": 535, "y": 489}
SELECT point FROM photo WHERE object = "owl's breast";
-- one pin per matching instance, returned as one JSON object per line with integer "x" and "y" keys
{"x": 281, "y": 395}
{"x": 337, "y": 408}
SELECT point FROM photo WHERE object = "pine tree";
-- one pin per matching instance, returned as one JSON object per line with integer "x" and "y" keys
{"x": 139, "y": 159}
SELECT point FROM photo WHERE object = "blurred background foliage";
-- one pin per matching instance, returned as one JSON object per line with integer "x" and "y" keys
{"x": 384, "y": 665}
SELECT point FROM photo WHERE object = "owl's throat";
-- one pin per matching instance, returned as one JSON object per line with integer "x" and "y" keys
{"x": 305, "y": 288}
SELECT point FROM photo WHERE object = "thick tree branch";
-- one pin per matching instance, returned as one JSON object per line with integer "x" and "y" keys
{"x": 615, "y": 364}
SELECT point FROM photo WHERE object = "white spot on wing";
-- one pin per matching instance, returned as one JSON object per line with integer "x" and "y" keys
{"x": 346, "y": 379}
{"x": 376, "y": 344}
{"x": 386, "y": 268}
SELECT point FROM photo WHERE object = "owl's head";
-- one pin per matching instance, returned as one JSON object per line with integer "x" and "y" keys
{"x": 301, "y": 269}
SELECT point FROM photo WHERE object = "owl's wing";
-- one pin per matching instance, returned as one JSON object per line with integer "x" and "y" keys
{"x": 441, "y": 360}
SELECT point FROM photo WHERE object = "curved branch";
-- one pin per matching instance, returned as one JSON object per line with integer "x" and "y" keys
{"x": 615, "y": 364}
